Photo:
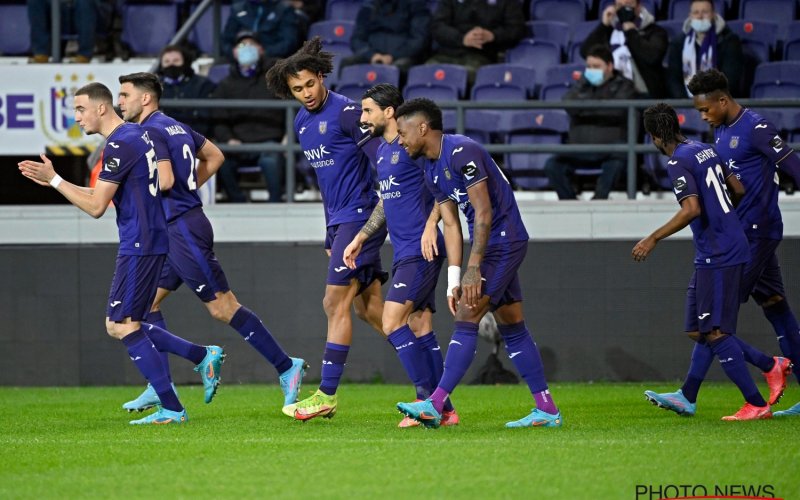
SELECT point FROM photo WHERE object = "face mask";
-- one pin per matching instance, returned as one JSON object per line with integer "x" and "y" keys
{"x": 700, "y": 25}
{"x": 247, "y": 55}
{"x": 594, "y": 76}
{"x": 172, "y": 72}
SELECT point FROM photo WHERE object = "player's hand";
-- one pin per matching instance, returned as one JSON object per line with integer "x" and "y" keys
{"x": 350, "y": 254}
{"x": 328, "y": 252}
{"x": 453, "y": 296}
{"x": 428, "y": 242}
{"x": 642, "y": 249}
{"x": 609, "y": 15}
{"x": 39, "y": 172}
{"x": 471, "y": 287}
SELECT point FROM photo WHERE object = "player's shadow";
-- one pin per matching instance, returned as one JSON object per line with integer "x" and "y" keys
{"x": 629, "y": 368}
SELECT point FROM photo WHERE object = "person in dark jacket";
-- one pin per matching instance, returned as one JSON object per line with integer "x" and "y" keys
{"x": 390, "y": 32}
{"x": 706, "y": 42}
{"x": 181, "y": 82}
{"x": 637, "y": 43}
{"x": 234, "y": 126}
{"x": 274, "y": 23}
{"x": 473, "y": 33}
{"x": 594, "y": 126}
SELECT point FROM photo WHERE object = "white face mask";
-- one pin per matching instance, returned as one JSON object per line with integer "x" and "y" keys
{"x": 700, "y": 25}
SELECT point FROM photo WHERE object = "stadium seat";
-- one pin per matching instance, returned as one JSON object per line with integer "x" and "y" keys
{"x": 679, "y": 9}
{"x": 356, "y": 79}
{"x": 339, "y": 52}
{"x": 503, "y": 82}
{"x": 579, "y": 33}
{"x": 559, "y": 79}
{"x": 652, "y": 6}
{"x": 479, "y": 125}
{"x": 148, "y": 38}
{"x": 781, "y": 12}
{"x": 791, "y": 46}
{"x": 568, "y": 11}
{"x": 673, "y": 27}
{"x": 445, "y": 82}
{"x": 534, "y": 127}
{"x": 342, "y": 9}
{"x": 336, "y": 32}
{"x": 536, "y": 54}
{"x": 552, "y": 31}
{"x": 777, "y": 79}
{"x": 758, "y": 37}
{"x": 15, "y": 31}
{"x": 203, "y": 32}
{"x": 218, "y": 72}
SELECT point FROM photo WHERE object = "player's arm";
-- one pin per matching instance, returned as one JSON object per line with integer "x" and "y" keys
{"x": 211, "y": 158}
{"x": 453, "y": 243}
{"x": 690, "y": 209}
{"x": 92, "y": 201}
{"x": 735, "y": 189}
{"x": 429, "y": 236}
{"x": 766, "y": 139}
{"x": 375, "y": 222}
{"x": 166, "y": 177}
{"x": 791, "y": 165}
{"x": 481, "y": 227}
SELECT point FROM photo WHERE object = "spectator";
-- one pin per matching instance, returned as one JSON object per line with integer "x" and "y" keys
{"x": 307, "y": 12}
{"x": 181, "y": 82}
{"x": 84, "y": 13}
{"x": 637, "y": 43}
{"x": 274, "y": 23}
{"x": 706, "y": 43}
{"x": 594, "y": 126}
{"x": 234, "y": 126}
{"x": 473, "y": 33}
{"x": 390, "y": 32}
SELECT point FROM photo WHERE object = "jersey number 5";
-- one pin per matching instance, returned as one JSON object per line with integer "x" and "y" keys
{"x": 153, "y": 165}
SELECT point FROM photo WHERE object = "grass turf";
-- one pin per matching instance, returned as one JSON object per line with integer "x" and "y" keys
{"x": 75, "y": 442}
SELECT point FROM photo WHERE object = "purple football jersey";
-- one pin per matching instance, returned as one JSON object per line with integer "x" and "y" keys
{"x": 463, "y": 163}
{"x": 178, "y": 143}
{"x": 337, "y": 148}
{"x": 406, "y": 201}
{"x": 697, "y": 170}
{"x": 751, "y": 148}
{"x": 130, "y": 161}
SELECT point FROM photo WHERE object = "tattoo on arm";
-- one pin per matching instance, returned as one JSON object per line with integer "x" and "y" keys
{"x": 470, "y": 276}
{"x": 480, "y": 238}
{"x": 375, "y": 221}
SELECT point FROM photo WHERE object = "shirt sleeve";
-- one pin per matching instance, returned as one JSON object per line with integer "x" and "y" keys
{"x": 434, "y": 189}
{"x": 468, "y": 162}
{"x": 683, "y": 183}
{"x": 118, "y": 159}
{"x": 765, "y": 138}
{"x": 199, "y": 139}
{"x": 159, "y": 142}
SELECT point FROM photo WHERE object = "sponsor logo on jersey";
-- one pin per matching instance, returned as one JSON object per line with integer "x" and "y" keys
{"x": 111, "y": 165}
{"x": 469, "y": 171}
{"x": 679, "y": 184}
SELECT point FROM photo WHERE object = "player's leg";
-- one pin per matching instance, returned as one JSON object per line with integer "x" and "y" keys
{"x": 368, "y": 306}
{"x": 421, "y": 323}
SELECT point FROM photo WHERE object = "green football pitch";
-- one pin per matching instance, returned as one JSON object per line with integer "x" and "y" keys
{"x": 76, "y": 443}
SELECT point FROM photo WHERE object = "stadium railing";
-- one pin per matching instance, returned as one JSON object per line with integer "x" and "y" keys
{"x": 632, "y": 147}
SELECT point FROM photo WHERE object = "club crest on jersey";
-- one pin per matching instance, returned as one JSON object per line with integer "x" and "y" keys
{"x": 323, "y": 127}
{"x": 447, "y": 174}
{"x": 734, "y": 142}
{"x": 395, "y": 157}
{"x": 111, "y": 165}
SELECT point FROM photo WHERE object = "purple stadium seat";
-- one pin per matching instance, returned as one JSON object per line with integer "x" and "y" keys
{"x": 579, "y": 33}
{"x": 777, "y": 79}
{"x": 15, "y": 32}
{"x": 342, "y": 9}
{"x": 334, "y": 32}
{"x": 679, "y": 9}
{"x": 503, "y": 82}
{"x": 651, "y": 6}
{"x": 791, "y": 46}
{"x": 355, "y": 80}
{"x": 203, "y": 33}
{"x": 782, "y": 12}
{"x": 147, "y": 28}
{"x": 758, "y": 37}
{"x": 673, "y": 27}
{"x": 568, "y": 11}
{"x": 552, "y": 31}
{"x": 445, "y": 82}
{"x": 534, "y": 127}
{"x": 559, "y": 79}
{"x": 339, "y": 52}
{"x": 218, "y": 72}
{"x": 537, "y": 54}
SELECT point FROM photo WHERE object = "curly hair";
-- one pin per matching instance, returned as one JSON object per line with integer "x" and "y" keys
{"x": 661, "y": 122}
{"x": 422, "y": 106}
{"x": 309, "y": 57}
{"x": 706, "y": 82}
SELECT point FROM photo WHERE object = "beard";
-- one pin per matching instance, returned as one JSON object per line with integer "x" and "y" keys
{"x": 378, "y": 130}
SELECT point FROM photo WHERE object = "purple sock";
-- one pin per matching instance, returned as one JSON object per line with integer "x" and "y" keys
{"x": 167, "y": 342}
{"x": 460, "y": 354}
{"x": 256, "y": 334}
{"x": 731, "y": 358}
{"x": 525, "y": 356}
{"x": 145, "y": 356}
{"x": 433, "y": 353}
{"x": 333, "y": 361}
{"x": 408, "y": 350}
{"x": 702, "y": 356}
{"x": 788, "y": 332}
{"x": 754, "y": 356}
{"x": 157, "y": 319}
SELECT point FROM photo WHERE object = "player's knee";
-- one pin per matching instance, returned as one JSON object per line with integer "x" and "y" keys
{"x": 333, "y": 305}
{"x": 389, "y": 325}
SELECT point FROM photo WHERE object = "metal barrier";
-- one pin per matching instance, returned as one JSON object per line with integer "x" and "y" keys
{"x": 632, "y": 147}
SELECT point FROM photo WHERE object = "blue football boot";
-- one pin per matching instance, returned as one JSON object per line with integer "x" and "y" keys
{"x": 674, "y": 401}
{"x": 422, "y": 411}
{"x": 163, "y": 417}
{"x": 291, "y": 380}
{"x": 209, "y": 370}
{"x": 146, "y": 400}
{"x": 537, "y": 418}
{"x": 794, "y": 411}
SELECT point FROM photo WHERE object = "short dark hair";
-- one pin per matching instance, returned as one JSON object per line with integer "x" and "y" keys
{"x": 422, "y": 106}
{"x": 601, "y": 51}
{"x": 385, "y": 95}
{"x": 706, "y": 82}
{"x": 309, "y": 57}
{"x": 661, "y": 122}
{"x": 713, "y": 7}
{"x": 147, "y": 82}
{"x": 96, "y": 91}
{"x": 187, "y": 59}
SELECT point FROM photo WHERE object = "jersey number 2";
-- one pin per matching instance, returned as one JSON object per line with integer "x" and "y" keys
{"x": 188, "y": 155}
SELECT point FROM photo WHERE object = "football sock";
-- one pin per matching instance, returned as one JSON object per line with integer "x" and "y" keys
{"x": 157, "y": 319}
{"x": 788, "y": 332}
{"x": 145, "y": 356}
{"x": 731, "y": 358}
{"x": 433, "y": 353}
{"x": 702, "y": 356}
{"x": 754, "y": 356}
{"x": 167, "y": 342}
{"x": 526, "y": 358}
{"x": 256, "y": 334}
{"x": 333, "y": 361}
{"x": 460, "y": 353}
{"x": 408, "y": 350}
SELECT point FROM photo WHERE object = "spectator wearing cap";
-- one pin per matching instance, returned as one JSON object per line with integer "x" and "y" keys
{"x": 274, "y": 24}
{"x": 181, "y": 82}
{"x": 706, "y": 42}
{"x": 235, "y": 126}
